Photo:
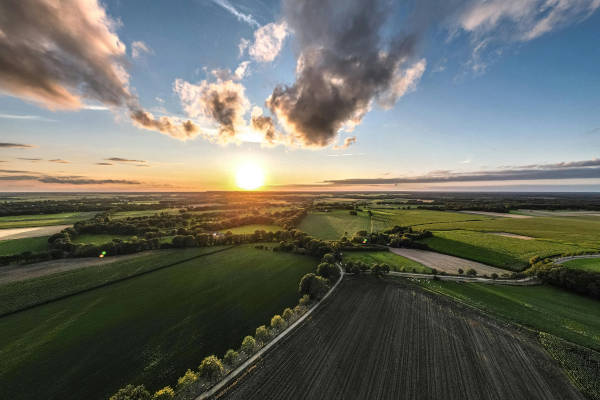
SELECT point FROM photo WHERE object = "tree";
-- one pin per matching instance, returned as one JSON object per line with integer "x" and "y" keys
{"x": 186, "y": 380}
{"x": 277, "y": 323}
{"x": 211, "y": 368}
{"x": 231, "y": 357}
{"x": 262, "y": 334}
{"x": 313, "y": 285}
{"x": 248, "y": 345}
{"x": 460, "y": 271}
{"x": 288, "y": 314}
{"x": 328, "y": 271}
{"x": 471, "y": 272}
{"x": 380, "y": 269}
{"x": 494, "y": 275}
{"x": 166, "y": 393}
{"x": 328, "y": 258}
{"x": 131, "y": 392}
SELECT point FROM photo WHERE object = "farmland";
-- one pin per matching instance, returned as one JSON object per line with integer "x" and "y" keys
{"x": 16, "y": 246}
{"x": 544, "y": 308}
{"x": 148, "y": 329}
{"x": 251, "y": 228}
{"x": 335, "y": 224}
{"x": 586, "y": 264}
{"x": 388, "y": 341}
{"x": 24, "y": 221}
{"x": 396, "y": 262}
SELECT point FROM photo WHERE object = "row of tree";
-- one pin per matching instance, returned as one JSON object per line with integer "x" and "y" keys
{"x": 572, "y": 279}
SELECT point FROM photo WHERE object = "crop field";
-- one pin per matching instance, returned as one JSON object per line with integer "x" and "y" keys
{"x": 586, "y": 264}
{"x": 251, "y": 228}
{"x": 335, "y": 224}
{"x": 17, "y": 246}
{"x": 143, "y": 213}
{"x": 98, "y": 239}
{"x": 446, "y": 263}
{"x": 543, "y": 308}
{"x": 25, "y": 221}
{"x": 384, "y": 340}
{"x": 148, "y": 329}
{"x": 395, "y": 261}
{"x": 501, "y": 251}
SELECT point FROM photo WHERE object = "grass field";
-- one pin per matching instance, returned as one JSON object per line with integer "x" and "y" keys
{"x": 543, "y": 308}
{"x": 500, "y": 251}
{"x": 98, "y": 239}
{"x": 148, "y": 329}
{"x": 25, "y": 221}
{"x": 396, "y": 262}
{"x": 17, "y": 246}
{"x": 586, "y": 264}
{"x": 337, "y": 223}
{"x": 251, "y": 228}
{"x": 381, "y": 340}
{"x": 143, "y": 213}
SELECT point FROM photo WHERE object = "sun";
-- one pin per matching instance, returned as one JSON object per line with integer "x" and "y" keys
{"x": 249, "y": 177}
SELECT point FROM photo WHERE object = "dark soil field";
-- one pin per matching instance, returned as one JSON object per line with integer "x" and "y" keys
{"x": 385, "y": 340}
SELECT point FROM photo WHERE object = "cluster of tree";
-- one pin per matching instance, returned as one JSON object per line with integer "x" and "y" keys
{"x": 301, "y": 243}
{"x": 359, "y": 267}
{"x": 213, "y": 368}
{"x": 575, "y": 280}
{"x": 397, "y": 236}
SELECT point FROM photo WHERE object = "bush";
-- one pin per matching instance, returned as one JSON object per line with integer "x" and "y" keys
{"x": 313, "y": 285}
{"x": 494, "y": 275}
{"x": 304, "y": 301}
{"x": 231, "y": 357}
{"x": 328, "y": 271}
{"x": 277, "y": 323}
{"x": 248, "y": 345}
{"x": 262, "y": 334}
{"x": 380, "y": 269}
{"x": 471, "y": 272}
{"x": 165, "y": 393}
{"x": 329, "y": 258}
{"x": 288, "y": 314}
{"x": 461, "y": 271}
{"x": 187, "y": 379}
{"x": 211, "y": 368}
{"x": 131, "y": 392}
{"x": 434, "y": 271}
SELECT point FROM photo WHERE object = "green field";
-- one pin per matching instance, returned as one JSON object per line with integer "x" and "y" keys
{"x": 18, "y": 246}
{"x": 396, "y": 262}
{"x": 148, "y": 329}
{"x": 543, "y": 308}
{"x": 586, "y": 264}
{"x": 335, "y": 224}
{"x": 143, "y": 213}
{"x": 98, "y": 239}
{"x": 251, "y": 228}
{"x": 26, "y": 221}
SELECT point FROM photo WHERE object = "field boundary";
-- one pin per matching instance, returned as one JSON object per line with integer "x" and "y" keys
{"x": 529, "y": 281}
{"x": 113, "y": 282}
{"x": 561, "y": 260}
{"x": 236, "y": 372}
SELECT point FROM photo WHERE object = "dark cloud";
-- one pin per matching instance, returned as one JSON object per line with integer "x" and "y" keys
{"x": 15, "y": 145}
{"x": 569, "y": 170}
{"x": 167, "y": 125}
{"x": 125, "y": 160}
{"x": 14, "y": 171}
{"x": 60, "y": 161}
{"x": 29, "y": 159}
{"x": 67, "y": 180}
{"x": 343, "y": 66}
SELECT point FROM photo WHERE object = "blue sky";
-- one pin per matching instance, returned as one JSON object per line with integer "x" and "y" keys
{"x": 515, "y": 104}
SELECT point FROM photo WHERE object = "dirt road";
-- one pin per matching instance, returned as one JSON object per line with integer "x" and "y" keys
{"x": 21, "y": 233}
{"x": 377, "y": 339}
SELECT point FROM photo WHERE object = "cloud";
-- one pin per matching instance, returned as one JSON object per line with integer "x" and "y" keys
{"x": 347, "y": 143}
{"x": 173, "y": 127}
{"x": 268, "y": 41}
{"x": 29, "y": 159}
{"x": 67, "y": 180}
{"x": 15, "y": 145}
{"x": 247, "y": 18}
{"x": 60, "y": 161}
{"x": 225, "y": 74}
{"x": 160, "y": 100}
{"x": 26, "y": 117}
{"x": 124, "y": 160}
{"x": 264, "y": 126}
{"x": 342, "y": 67}
{"x": 242, "y": 46}
{"x": 104, "y": 163}
{"x": 223, "y": 103}
{"x": 565, "y": 170}
{"x": 139, "y": 48}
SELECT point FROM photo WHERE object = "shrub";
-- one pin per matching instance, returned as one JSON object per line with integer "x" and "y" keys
{"x": 434, "y": 271}
{"x": 329, "y": 258}
{"x": 248, "y": 345}
{"x": 471, "y": 272}
{"x": 187, "y": 379}
{"x": 328, "y": 271}
{"x": 165, "y": 393}
{"x": 313, "y": 285}
{"x": 231, "y": 357}
{"x": 494, "y": 276}
{"x": 461, "y": 271}
{"x": 211, "y": 368}
{"x": 277, "y": 323}
{"x": 288, "y": 314}
{"x": 304, "y": 300}
{"x": 131, "y": 392}
{"x": 262, "y": 334}
{"x": 380, "y": 269}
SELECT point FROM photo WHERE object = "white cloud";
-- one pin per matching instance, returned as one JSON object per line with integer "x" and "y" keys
{"x": 247, "y": 18}
{"x": 139, "y": 48}
{"x": 405, "y": 81}
{"x": 268, "y": 41}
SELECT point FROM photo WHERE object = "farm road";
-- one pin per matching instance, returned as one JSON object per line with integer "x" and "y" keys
{"x": 377, "y": 339}
{"x": 35, "y": 231}
{"x": 446, "y": 263}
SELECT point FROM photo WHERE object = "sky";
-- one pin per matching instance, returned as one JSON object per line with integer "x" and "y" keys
{"x": 494, "y": 95}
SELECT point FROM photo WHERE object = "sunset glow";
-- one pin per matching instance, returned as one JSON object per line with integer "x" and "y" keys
{"x": 249, "y": 177}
